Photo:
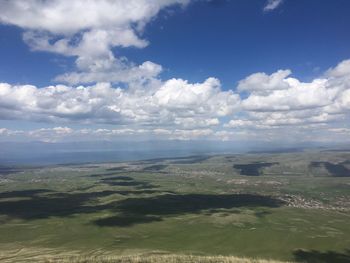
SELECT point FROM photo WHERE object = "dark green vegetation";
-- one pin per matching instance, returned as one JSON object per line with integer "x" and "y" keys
{"x": 337, "y": 170}
{"x": 292, "y": 206}
{"x": 317, "y": 256}
{"x": 251, "y": 169}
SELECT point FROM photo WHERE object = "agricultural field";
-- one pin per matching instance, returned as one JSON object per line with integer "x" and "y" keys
{"x": 275, "y": 206}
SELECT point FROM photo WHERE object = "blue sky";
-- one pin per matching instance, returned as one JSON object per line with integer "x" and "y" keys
{"x": 228, "y": 40}
{"x": 176, "y": 69}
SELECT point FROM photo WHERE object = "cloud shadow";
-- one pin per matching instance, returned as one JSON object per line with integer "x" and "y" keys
{"x": 314, "y": 256}
{"x": 157, "y": 207}
{"x": 252, "y": 169}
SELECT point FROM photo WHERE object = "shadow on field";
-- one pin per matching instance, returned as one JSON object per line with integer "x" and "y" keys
{"x": 5, "y": 170}
{"x": 175, "y": 160}
{"x": 261, "y": 214}
{"x": 314, "y": 256}
{"x": 191, "y": 160}
{"x": 126, "y": 181}
{"x": 45, "y": 203}
{"x": 121, "y": 178}
{"x": 252, "y": 169}
{"x": 149, "y": 208}
{"x": 120, "y": 168}
{"x": 155, "y": 168}
{"x": 126, "y": 220}
{"x": 23, "y": 193}
{"x": 41, "y": 203}
{"x": 336, "y": 170}
{"x": 123, "y": 183}
{"x": 103, "y": 174}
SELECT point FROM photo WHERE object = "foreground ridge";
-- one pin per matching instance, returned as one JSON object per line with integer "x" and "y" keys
{"x": 24, "y": 255}
{"x": 168, "y": 259}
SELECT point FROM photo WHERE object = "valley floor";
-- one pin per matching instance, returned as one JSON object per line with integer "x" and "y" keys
{"x": 290, "y": 207}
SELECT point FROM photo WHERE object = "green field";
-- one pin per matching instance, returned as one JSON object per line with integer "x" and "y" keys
{"x": 286, "y": 206}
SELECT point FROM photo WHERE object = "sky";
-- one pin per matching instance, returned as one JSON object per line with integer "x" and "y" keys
{"x": 273, "y": 71}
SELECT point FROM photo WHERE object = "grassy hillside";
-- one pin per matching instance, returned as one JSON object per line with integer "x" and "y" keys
{"x": 47, "y": 255}
{"x": 284, "y": 208}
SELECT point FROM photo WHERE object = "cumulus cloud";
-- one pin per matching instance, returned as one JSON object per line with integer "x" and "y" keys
{"x": 298, "y": 96}
{"x": 174, "y": 102}
{"x": 272, "y": 5}
{"x": 277, "y": 134}
{"x": 277, "y": 101}
{"x": 61, "y": 134}
{"x": 112, "y": 70}
{"x": 201, "y": 98}
{"x": 69, "y": 17}
{"x": 88, "y": 30}
{"x": 341, "y": 70}
{"x": 8, "y": 133}
{"x": 263, "y": 83}
{"x": 178, "y": 109}
{"x": 268, "y": 120}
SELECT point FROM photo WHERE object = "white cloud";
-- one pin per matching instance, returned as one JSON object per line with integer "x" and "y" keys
{"x": 201, "y": 98}
{"x": 175, "y": 107}
{"x": 262, "y": 83}
{"x": 69, "y": 17}
{"x": 345, "y": 131}
{"x": 298, "y": 96}
{"x": 48, "y": 134}
{"x": 272, "y": 120}
{"x": 277, "y": 101}
{"x": 88, "y": 30}
{"x": 191, "y": 134}
{"x": 241, "y": 123}
{"x": 114, "y": 71}
{"x": 175, "y": 102}
{"x": 60, "y": 134}
{"x": 272, "y": 5}
{"x": 341, "y": 70}
{"x": 7, "y": 132}
{"x": 194, "y": 122}
{"x": 343, "y": 100}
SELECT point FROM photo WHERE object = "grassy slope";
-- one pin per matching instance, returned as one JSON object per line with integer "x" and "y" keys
{"x": 88, "y": 213}
{"x": 51, "y": 255}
